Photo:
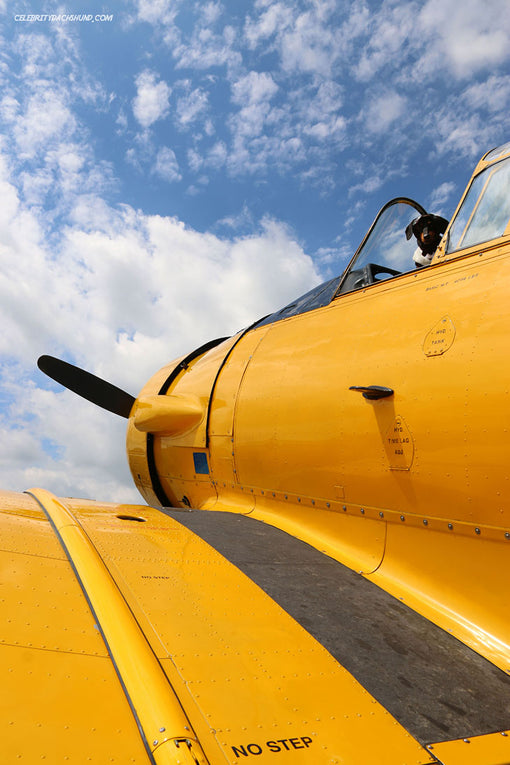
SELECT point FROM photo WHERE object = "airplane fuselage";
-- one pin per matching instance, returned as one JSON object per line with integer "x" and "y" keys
{"x": 411, "y": 488}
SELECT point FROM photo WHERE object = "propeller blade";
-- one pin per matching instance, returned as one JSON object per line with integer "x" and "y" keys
{"x": 87, "y": 385}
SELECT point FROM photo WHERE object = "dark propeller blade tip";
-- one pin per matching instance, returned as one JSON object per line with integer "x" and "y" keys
{"x": 87, "y": 385}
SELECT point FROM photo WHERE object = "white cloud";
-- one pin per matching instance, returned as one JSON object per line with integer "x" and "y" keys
{"x": 217, "y": 156}
{"x": 208, "y": 49}
{"x": 328, "y": 99}
{"x": 323, "y": 130}
{"x": 166, "y": 165}
{"x": 51, "y": 59}
{"x": 278, "y": 127}
{"x": 210, "y": 12}
{"x": 383, "y": 111}
{"x": 309, "y": 47}
{"x": 372, "y": 184}
{"x": 31, "y": 292}
{"x": 157, "y": 11}
{"x": 254, "y": 88}
{"x": 461, "y": 133}
{"x": 493, "y": 95}
{"x": 151, "y": 102}
{"x": 9, "y": 108}
{"x": 121, "y": 293}
{"x": 122, "y": 122}
{"x": 198, "y": 187}
{"x": 46, "y": 120}
{"x": 319, "y": 117}
{"x": 49, "y": 151}
{"x": 253, "y": 93}
{"x": 465, "y": 37}
{"x": 70, "y": 467}
{"x": 250, "y": 122}
{"x": 37, "y": 56}
{"x": 239, "y": 221}
{"x": 195, "y": 160}
{"x": 191, "y": 106}
{"x": 440, "y": 196}
{"x": 390, "y": 31}
{"x": 427, "y": 39}
{"x": 273, "y": 19}
{"x": 305, "y": 41}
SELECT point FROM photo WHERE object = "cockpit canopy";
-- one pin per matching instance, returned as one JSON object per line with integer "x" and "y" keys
{"x": 485, "y": 210}
{"x": 385, "y": 252}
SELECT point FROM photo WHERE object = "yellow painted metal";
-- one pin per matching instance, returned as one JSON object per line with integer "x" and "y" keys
{"x": 413, "y": 489}
{"x": 27, "y": 624}
{"x": 226, "y": 390}
{"x": 176, "y": 472}
{"x": 61, "y": 700}
{"x": 493, "y": 749}
{"x": 295, "y": 410}
{"x": 251, "y": 680}
{"x": 197, "y": 380}
{"x": 290, "y": 442}
{"x": 221, "y": 453}
{"x": 167, "y": 415}
{"x": 61, "y": 707}
{"x": 192, "y": 383}
{"x": 136, "y": 440}
{"x": 329, "y": 529}
{"x": 23, "y": 522}
{"x": 166, "y": 729}
{"x": 440, "y": 338}
{"x": 453, "y": 577}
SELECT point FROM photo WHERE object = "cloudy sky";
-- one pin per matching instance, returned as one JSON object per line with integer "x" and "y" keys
{"x": 172, "y": 171}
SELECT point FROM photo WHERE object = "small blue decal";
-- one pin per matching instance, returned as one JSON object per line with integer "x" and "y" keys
{"x": 200, "y": 460}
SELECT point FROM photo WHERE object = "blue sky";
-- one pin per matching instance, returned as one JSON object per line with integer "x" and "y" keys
{"x": 172, "y": 170}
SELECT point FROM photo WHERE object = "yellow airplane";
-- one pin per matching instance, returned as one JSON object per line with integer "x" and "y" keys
{"x": 339, "y": 592}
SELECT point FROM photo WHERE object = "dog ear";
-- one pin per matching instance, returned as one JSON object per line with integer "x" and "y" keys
{"x": 409, "y": 229}
{"x": 440, "y": 223}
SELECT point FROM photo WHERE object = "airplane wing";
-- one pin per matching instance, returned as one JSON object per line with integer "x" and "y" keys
{"x": 134, "y": 635}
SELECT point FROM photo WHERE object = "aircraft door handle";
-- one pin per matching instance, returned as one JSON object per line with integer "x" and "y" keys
{"x": 373, "y": 392}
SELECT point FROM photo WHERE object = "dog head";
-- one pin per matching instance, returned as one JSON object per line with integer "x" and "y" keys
{"x": 428, "y": 230}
